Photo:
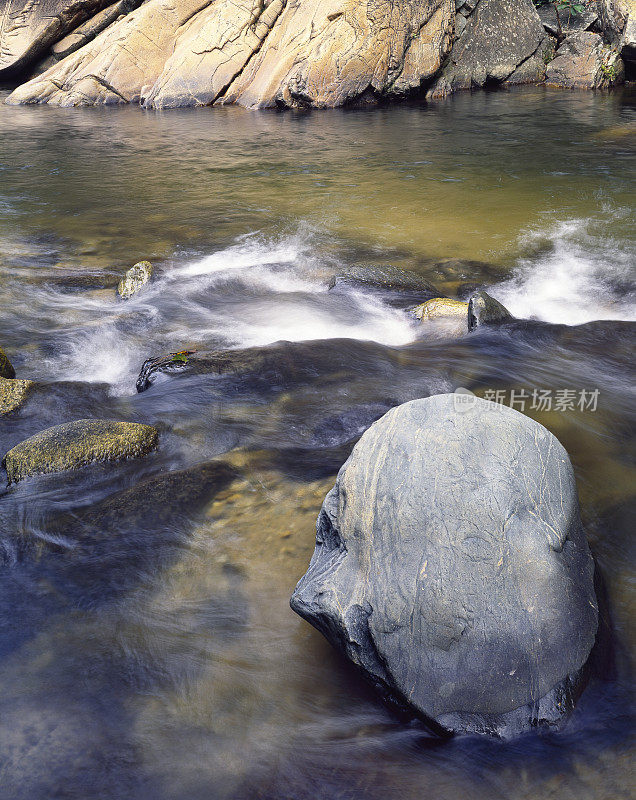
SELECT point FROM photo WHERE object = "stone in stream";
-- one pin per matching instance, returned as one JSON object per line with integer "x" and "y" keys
{"x": 13, "y": 393}
{"x": 6, "y": 367}
{"x": 452, "y": 568}
{"x": 136, "y": 277}
{"x": 485, "y": 310}
{"x": 75, "y": 444}
{"x": 442, "y": 308}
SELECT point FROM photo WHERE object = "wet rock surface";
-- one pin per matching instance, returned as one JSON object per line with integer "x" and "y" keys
{"x": 136, "y": 277}
{"x": 452, "y": 568}
{"x": 6, "y": 367}
{"x": 13, "y": 393}
{"x": 485, "y": 310}
{"x": 76, "y": 444}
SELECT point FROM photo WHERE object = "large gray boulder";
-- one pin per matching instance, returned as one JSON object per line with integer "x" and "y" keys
{"x": 452, "y": 568}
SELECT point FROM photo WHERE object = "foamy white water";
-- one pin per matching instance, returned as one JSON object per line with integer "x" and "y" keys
{"x": 252, "y": 293}
{"x": 583, "y": 276}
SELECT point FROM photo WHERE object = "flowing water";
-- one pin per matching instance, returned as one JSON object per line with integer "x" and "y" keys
{"x": 147, "y": 648}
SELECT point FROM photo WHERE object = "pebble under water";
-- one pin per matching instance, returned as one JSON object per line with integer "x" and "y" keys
{"x": 147, "y": 647}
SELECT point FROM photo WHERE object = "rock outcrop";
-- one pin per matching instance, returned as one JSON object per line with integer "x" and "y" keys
{"x": 583, "y": 61}
{"x": 257, "y": 54}
{"x": 500, "y": 41}
{"x": 451, "y": 567}
{"x": 279, "y": 53}
{"x": 29, "y": 27}
{"x": 76, "y": 444}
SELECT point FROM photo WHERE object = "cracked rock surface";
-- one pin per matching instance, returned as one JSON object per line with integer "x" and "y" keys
{"x": 257, "y": 53}
{"x": 502, "y": 41}
{"x": 452, "y": 568}
{"x": 29, "y": 27}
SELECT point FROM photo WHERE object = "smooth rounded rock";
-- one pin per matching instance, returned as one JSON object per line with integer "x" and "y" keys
{"x": 76, "y": 444}
{"x": 452, "y": 568}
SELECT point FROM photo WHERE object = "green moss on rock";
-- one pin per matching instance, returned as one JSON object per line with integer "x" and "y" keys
{"x": 13, "y": 393}
{"x": 76, "y": 444}
{"x": 6, "y": 367}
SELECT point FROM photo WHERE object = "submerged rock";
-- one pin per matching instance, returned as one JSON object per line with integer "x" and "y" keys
{"x": 583, "y": 61}
{"x": 452, "y": 568}
{"x": 6, "y": 367}
{"x": 136, "y": 277}
{"x": 267, "y": 368}
{"x": 13, "y": 393}
{"x": 485, "y": 310}
{"x": 76, "y": 444}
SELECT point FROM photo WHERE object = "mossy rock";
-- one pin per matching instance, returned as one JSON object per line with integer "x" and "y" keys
{"x": 76, "y": 444}
{"x": 442, "y": 308}
{"x": 136, "y": 277}
{"x": 6, "y": 367}
{"x": 12, "y": 394}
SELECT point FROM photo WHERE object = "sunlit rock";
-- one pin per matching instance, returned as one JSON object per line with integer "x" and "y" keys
{"x": 278, "y": 52}
{"x": 13, "y": 393}
{"x": 452, "y": 568}
{"x": 136, "y": 277}
{"x": 29, "y": 27}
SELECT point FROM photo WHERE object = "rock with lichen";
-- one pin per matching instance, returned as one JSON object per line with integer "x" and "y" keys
{"x": 13, "y": 393}
{"x": 76, "y": 444}
{"x": 136, "y": 277}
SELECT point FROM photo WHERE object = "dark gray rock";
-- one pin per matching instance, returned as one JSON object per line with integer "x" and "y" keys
{"x": 566, "y": 22}
{"x": 281, "y": 365}
{"x": 485, "y": 310}
{"x": 499, "y": 37}
{"x": 398, "y": 287}
{"x": 452, "y": 568}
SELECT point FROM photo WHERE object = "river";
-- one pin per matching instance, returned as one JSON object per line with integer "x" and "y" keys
{"x": 147, "y": 647}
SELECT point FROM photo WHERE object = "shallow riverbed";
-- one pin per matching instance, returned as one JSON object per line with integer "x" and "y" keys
{"x": 147, "y": 648}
